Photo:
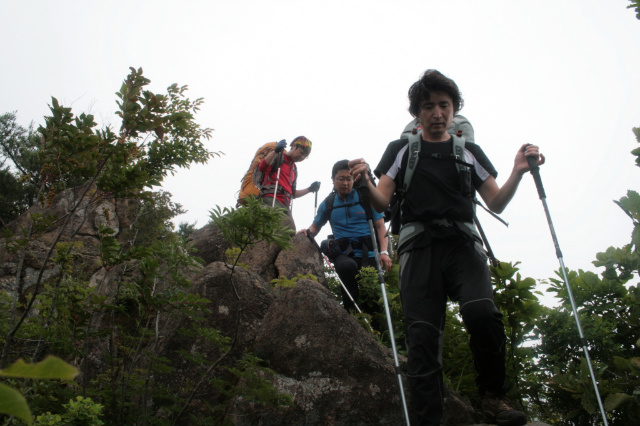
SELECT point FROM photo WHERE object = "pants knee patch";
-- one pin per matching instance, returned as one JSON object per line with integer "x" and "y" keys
{"x": 480, "y": 310}
{"x": 484, "y": 323}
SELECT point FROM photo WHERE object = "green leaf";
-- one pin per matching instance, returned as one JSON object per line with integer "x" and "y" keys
{"x": 13, "y": 403}
{"x": 635, "y": 4}
{"x": 615, "y": 400}
{"x": 631, "y": 204}
{"x": 50, "y": 368}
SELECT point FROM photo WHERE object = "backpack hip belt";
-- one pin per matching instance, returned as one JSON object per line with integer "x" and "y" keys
{"x": 411, "y": 229}
{"x": 268, "y": 190}
{"x": 347, "y": 245}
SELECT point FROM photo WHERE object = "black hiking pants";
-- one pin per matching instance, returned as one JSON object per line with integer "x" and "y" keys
{"x": 448, "y": 267}
{"x": 347, "y": 268}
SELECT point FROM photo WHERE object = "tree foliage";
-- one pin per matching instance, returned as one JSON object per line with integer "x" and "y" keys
{"x": 158, "y": 134}
{"x": 19, "y": 165}
{"x": 12, "y": 402}
{"x": 635, "y": 4}
{"x": 251, "y": 224}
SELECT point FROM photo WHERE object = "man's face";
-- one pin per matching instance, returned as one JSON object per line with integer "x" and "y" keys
{"x": 343, "y": 183}
{"x": 297, "y": 154}
{"x": 436, "y": 115}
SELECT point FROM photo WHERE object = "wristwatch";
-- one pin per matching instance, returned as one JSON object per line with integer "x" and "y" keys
{"x": 384, "y": 252}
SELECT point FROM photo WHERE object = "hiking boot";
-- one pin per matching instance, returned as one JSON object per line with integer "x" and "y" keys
{"x": 498, "y": 410}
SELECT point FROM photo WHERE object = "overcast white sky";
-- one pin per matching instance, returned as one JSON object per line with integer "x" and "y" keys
{"x": 562, "y": 74}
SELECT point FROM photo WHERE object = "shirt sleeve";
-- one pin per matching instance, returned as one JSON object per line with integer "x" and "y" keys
{"x": 377, "y": 215}
{"x": 391, "y": 159}
{"x": 320, "y": 220}
{"x": 483, "y": 167}
{"x": 264, "y": 167}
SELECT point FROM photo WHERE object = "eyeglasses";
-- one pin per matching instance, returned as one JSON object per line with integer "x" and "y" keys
{"x": 344, "y": 179}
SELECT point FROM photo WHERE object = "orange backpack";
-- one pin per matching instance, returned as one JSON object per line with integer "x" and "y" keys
{"x": 248, "y": 186}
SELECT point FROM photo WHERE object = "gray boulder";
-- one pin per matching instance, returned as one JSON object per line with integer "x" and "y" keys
{"x": 335, "y": 370}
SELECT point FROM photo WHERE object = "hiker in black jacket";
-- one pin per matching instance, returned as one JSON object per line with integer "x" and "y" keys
{"x": 439, "y": 257}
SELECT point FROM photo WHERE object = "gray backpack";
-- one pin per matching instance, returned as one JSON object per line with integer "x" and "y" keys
{"x": 460, "y": 127}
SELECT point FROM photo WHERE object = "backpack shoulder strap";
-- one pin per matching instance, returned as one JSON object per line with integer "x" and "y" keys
{"x": 458, "y": 150}
{"x": 330, "y": 200}
{"x": 294, "y": 170}
{"x": 328, "y": 205}
{"x": 415, "y": 143}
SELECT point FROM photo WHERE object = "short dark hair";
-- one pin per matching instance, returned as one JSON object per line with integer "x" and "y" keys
{"x": 433, "y": 81}
{"x": 340, "y": 165}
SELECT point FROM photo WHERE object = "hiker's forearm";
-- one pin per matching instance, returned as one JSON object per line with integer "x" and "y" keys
{"x": 381, "y": 195}
{"x": 300, "y": 192}
{"x": 496, "y": 198}
{"x": 381, "y": 234}
{"x": 269, "y": 159}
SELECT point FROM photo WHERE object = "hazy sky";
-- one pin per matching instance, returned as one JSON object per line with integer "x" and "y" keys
{"x": 562, "y": 74}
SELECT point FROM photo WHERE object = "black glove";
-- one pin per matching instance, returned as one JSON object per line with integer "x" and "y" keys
{"x": 280, "y": 146}
{"x": 314, "y": 187}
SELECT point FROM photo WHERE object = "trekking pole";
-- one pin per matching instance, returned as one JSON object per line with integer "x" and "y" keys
{"x": 495, "y": 262}
{"x": 367, "y": 207}
{"x": 535, "y": 172}
{"x": 344, "y": 287}
{"x": 315, "y": 206}
{"x": 275, "y": 190}
{"x": 492, "y": 257}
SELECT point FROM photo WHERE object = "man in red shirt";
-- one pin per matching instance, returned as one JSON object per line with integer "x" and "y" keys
{"x": 285, "y": 162}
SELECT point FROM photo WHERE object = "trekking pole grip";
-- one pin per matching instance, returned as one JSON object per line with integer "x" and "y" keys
{"x": 361, "y": 184}
{"x": 363, "y": 190}
{"x": 535, "y": 172}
